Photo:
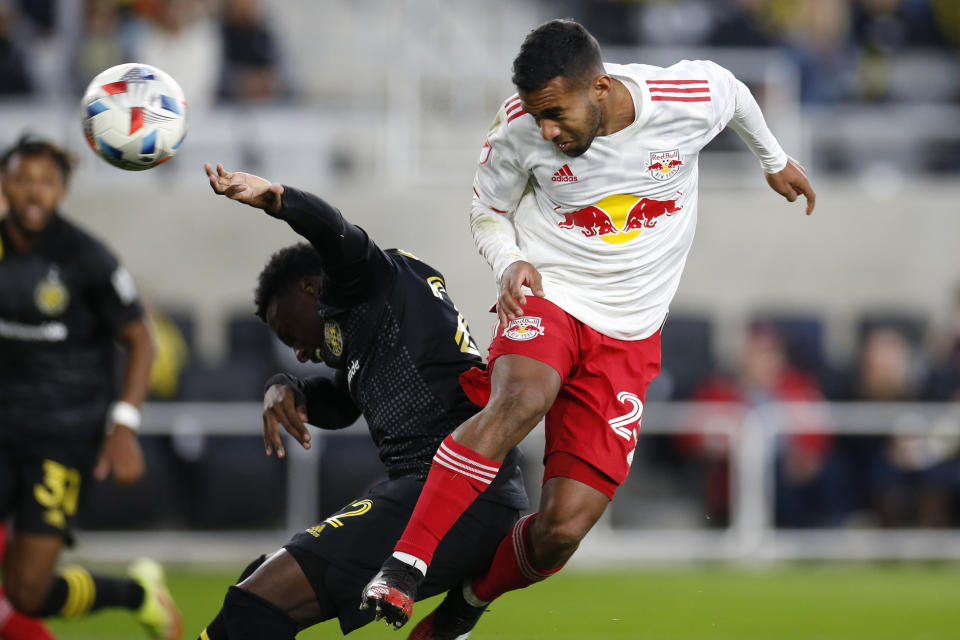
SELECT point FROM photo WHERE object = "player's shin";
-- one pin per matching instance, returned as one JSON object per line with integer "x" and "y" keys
{"x": 457, "y": 477}
{"x": 75, "y": 592}
{"x": 512, "y": 567}
{"x": 217, "y": 629}
{"x": 250, "y": 617}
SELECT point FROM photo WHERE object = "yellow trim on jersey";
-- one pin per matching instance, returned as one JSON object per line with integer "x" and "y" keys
{"x": 204, "y": 636}
{"x": 81, "y": 592}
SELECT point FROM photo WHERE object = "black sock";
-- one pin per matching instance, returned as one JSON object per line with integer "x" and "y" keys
{"x": 76, "y": 592}
{"x": 250, "y": 617}
{"x": 217, "y": 629}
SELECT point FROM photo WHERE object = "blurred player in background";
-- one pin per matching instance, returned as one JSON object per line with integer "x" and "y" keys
{"x": 610, "y": 153}
{"x": 64, "y": 303}
{"x": 384, "y": 322}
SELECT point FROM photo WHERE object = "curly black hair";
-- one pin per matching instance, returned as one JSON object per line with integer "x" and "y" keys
{"x": 30, "y": 145}
{"x": 284, "y": 269}
{"x": 556, "y": 48}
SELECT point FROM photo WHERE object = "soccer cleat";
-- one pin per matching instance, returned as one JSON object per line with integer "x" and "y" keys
{"x": 453, "y": 619}
{"x": 392, "y": 591}
{"x": 158, "y": 614}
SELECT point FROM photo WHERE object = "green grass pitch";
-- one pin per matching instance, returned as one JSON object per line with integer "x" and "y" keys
{"x": 810, "y": 601}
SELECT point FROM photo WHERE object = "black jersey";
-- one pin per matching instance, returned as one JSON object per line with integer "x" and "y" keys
{"x": 398, "y": 343}
{"x": 61, "y": 306}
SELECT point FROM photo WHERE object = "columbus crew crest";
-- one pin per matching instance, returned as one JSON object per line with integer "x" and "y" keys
{"x": 51, "y": 295}
{"x": 333, "y": 337}
{"x": 525, "y": 328}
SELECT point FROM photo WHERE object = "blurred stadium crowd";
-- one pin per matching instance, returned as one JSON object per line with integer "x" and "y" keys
{"x": 860, "y": 52}
{"x": 847, "y": 50}
{"x": 46, "y": 45}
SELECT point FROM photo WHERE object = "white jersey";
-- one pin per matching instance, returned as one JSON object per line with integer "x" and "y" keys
{"x": 609, "y": 231}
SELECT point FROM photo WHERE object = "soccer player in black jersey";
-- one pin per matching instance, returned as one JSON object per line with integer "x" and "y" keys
{"x": 64, "y": 303}
{"x": 384, "y": 322}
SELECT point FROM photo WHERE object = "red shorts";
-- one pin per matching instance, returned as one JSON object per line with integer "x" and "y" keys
{"x": 593, "y": 425}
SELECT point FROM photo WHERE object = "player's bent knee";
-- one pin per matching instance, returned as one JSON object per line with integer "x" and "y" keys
{"x": 555, "y": 539}
{"x": 27, "y": 596}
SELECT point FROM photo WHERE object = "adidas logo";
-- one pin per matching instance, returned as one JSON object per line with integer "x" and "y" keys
{"x": 564, "y": 174}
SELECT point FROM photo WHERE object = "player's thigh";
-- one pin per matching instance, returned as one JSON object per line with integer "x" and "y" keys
{"x": 9, "y": 479}
{"x": 468, "y": 549}
{"x": 51, "y": 475}
{"x": 281, "y": 581}
{"x": 341, "y": 554}
{"x": 597, "y": 414}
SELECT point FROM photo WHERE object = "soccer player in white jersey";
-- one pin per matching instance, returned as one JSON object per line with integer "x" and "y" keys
{"x": 588, "y": 263}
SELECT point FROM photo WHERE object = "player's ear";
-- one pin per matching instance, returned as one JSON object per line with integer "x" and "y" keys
{"x": 310, "y": 285}
{"x": 601, "y": 86}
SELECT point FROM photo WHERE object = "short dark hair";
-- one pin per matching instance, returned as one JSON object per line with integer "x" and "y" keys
{"x": 284, "y": 269}
{"x": 29, "y": 145}
{"x": 556, "y": 48}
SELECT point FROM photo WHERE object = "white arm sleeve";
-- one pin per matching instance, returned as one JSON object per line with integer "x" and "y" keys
{"x": 497, "y": 187}
{"x": 495, "y": 236}
{"x": 749, "y": 124}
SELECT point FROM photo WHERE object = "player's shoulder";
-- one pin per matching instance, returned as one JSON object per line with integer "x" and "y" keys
{"x": 74, "y": 239}
{"x": 404, "y": 258}
{"x": 413, "y": 268}
{"x": 512, "y": 121}
{"x": 684, "y": 70}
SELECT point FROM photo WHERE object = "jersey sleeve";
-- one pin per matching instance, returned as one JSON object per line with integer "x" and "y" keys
{"x": 497, "y": 187}
{"x": 327, "y": 401}
{"x": 735, "y": 106}
{"x": 113, "y": 291}
{"x": 352, "y": 263}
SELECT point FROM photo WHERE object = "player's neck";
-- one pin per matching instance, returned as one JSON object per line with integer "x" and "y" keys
{"x": 21, "y": 240}
{"x": 620, "y": 112}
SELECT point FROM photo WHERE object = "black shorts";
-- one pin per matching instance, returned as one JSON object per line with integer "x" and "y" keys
{"x": 340, "y": 555}
{"x": 40, "y": 481}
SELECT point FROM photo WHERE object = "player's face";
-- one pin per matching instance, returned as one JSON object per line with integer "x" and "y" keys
{"x": 293, "y": 317}
{"x": 568, "y": 113}
{"x": 33, "y": 186}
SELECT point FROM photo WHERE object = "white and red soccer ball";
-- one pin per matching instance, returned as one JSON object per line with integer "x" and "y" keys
{"x": 134, "y": 116}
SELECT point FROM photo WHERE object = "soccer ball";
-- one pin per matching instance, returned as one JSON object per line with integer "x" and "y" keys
{"x": 134, "y": 116}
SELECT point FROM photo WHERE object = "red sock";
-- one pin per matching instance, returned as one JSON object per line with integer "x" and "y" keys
{"x": 512, "y": 566}
{"x": 457, "y": 477}
{"x": 16, "y": 626}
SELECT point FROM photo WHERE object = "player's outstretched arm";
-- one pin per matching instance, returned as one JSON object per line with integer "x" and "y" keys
{"x": 791, "y": 182}
{"x": 246, "y": 188}
{"x": 512, "y": 299}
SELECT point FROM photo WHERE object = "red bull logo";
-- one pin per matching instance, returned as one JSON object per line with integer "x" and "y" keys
{"x": 664, "y": 165}
{"x": 619, "y": 218}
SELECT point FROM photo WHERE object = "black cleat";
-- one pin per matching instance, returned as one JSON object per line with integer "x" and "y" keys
{"x": 453, "y": 619}
{"x": 392, "y": 591}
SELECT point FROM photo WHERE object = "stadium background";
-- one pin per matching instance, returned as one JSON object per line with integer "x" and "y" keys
{"x": 381, "y": 107}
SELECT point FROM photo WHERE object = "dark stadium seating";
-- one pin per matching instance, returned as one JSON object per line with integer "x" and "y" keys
{"x": 687, "y": 346}
{"x": 152, "y": 503}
